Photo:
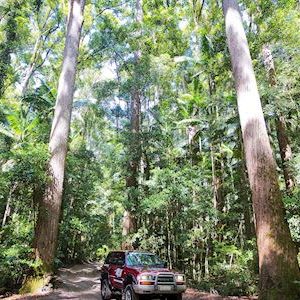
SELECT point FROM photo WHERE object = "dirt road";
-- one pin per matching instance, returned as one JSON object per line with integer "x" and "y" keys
{"x": 82, "y": 282}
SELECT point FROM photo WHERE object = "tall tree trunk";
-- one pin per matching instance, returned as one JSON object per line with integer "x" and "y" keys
{"x": 49, "y": 208}
{"x": 193, "y": 144}
{"x": 7, "y": 211}
{"x": 282, "y": 136}
{"x": 278, "y": 265}
{"x": 129, "y": 219}
{"x": 285, "y": 152}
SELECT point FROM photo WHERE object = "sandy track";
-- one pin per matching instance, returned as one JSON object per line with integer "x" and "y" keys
{"x": 76, "y": 282}
{"x": 82, "y": 282}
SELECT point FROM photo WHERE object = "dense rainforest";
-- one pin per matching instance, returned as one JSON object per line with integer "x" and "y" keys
{"x": 162, "y": 125}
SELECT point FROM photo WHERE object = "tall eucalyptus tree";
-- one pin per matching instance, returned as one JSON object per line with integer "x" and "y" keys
{"x": 129, "y": 220}
{"x": 50, "y": 205}
{"x": 278, "y": 266}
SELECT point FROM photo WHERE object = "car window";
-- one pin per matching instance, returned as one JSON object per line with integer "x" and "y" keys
{"x": 143, "y": 259}
{"x": 108, "y": 258}
{"x": 117, "y": 258}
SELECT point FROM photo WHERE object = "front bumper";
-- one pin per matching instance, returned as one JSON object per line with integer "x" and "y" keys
{"x": 159, "y": 289}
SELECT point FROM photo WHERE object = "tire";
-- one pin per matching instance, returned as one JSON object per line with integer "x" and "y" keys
{"x": 175, "y": 297}
{"x": 129, "y": 294}
{"x": 105, "y": 290}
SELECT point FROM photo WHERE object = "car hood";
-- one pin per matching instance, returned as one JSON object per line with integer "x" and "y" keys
{"x": 154, "y": 270}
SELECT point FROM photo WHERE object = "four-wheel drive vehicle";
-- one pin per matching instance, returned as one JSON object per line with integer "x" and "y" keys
{"x": 139, "y": 275}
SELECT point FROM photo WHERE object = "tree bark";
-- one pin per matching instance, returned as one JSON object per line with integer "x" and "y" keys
{"x": 129, "y": 219}
{"x": 285, "y": 152}
{"x": 49, "y": 208}
{"x": 278, "y": 265}
{"x": 281, "y": 130}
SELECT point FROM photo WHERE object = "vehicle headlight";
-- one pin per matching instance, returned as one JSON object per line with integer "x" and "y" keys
{"x": 179, "y": 278}
{"x": 147, "y": 277}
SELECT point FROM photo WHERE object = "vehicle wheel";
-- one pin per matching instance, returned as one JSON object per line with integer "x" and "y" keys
{"x": 129, "y": 294}
{"x": 105, "y": 290}
{"x": 175, "y": 297}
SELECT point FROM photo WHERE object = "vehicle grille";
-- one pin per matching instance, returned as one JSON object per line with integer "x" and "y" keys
{"x": 165, "y": 279}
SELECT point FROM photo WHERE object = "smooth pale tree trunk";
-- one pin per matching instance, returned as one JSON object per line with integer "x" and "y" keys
{"x": 278, "y": 265}
{"x": 281, "y": 130}
{"x": 7, "y": 211}
{"x": 129, "y": 218}
{"x": 50, "y": 205}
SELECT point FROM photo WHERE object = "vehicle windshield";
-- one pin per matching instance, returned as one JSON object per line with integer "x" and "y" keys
{"x": 144, "y": 259}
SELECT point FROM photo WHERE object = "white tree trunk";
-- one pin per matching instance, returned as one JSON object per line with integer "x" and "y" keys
{"x": 278, "y": 264}
{"x": 49, "y": 208}
{"x": 7, "y": 211}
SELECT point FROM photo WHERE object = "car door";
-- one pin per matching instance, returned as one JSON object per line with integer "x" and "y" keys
{"x": 108, "y": 268}
{"x": 117, "y": 263}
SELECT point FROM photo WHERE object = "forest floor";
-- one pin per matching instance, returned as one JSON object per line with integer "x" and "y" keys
{"x": 82, "y": 282}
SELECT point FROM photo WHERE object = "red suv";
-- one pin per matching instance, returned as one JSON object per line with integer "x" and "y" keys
{"x": 139, "y": 275}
